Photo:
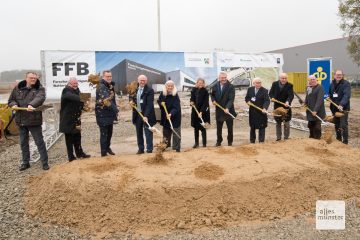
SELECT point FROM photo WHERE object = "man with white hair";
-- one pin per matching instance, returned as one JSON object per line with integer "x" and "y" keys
{"x": 70, "y": 122}
{"x": 258, "y": 96}
{"x": 282, "y": 91}
{"x": 144, "y": 101}
{"x": 314, "y": 100}
{"x": 223, "y": 93}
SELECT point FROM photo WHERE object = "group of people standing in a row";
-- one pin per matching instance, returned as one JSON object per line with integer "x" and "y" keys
{"x": 30, "y": 94}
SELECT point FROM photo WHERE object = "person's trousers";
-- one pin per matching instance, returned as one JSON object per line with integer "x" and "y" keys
{"x": 176, "y": 142}
{"x": 36, "y": 132}
{"x": 341, "y": 128}
{"x": 142, "y": 127}
{"x": 105, "y": 138}
{"x": 73, "y": 141}
{"x": 203, "y": 134}
{"x": 279, "y": 130}
{"x": 229, "y": 125}
{"x": 253, "y": 135}
{"x": 315, "y": 129}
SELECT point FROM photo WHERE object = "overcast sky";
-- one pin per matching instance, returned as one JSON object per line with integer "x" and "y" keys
{"x": 28, "y": 26}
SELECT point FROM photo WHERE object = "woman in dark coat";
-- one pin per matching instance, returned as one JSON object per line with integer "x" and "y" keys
{"x": 70, "y": 123}
{"x": 259, "y": 96}
{"x": 200, "y": 99}
{"x": 172, "y": 101}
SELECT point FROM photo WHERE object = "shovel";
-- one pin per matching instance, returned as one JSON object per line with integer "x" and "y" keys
{"x": 171, "y": 126}
{"x": 337, "y": 114}
{"x": 322, "y": 121}
{"x": 41, "y": 108}
{"x": 277, "y": 101}
{"x": 153, "y": 129}
{"x": 256, "y": 107}
{"x": 219, "y": 106}
{"x": 205, "y": 125}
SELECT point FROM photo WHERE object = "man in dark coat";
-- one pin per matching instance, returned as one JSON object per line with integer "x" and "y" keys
{"x": 224, "y": 94}
{"x": 340, "y": 93}
{"x": 144, "y": 101}
{"x": 200, "y": 99}
{"x": 106, "y": 111}
{"x": 282, "y": 91}
{"x": 30, "y": 94}
{"x": 172, "y": 101}
{"x": 70, "y": 122}
{"x": 315, "y": 102}
{"x": 258, "y": 96}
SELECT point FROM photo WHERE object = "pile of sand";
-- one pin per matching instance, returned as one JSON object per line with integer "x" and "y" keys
{"x": 196, "y": 189}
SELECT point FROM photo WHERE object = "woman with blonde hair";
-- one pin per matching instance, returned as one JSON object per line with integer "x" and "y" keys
{"x": 171, "y": 100}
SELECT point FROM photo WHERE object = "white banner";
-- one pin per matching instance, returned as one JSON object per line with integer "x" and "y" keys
{"x": 59, "y": 66}
{"x": 228, "y": 59}
{"x": 199, "y": 60}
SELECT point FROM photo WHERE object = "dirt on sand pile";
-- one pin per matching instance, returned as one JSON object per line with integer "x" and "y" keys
{"x": 258, "y": 182}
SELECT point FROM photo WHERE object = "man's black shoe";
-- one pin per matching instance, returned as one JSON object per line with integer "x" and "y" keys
{"x": 46, "y": 167}
{"x": 110, "y": 152}
{"x": 229, "y": 144}
{"x": 140, "y": 152}
{"x": 177, "y": 150}
{"x": 104, "y": 154}
{"x": 217, "y": 144}
{"x": 24, "y": 167}
{"x": 72, "y": 159}
{"x": 149, "y": 151}
{"x": 196, "y": 145}
{"x": 83, "y": 155}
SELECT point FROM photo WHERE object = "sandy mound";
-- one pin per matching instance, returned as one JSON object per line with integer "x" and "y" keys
{"x": 258, "y": 182}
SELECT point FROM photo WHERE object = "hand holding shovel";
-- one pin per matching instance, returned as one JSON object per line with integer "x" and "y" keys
{"x": 205, "y": 125}
{"x": 337, "y": 114}
{"x": 225, "y": 111}
{"x": 317, "y": 116}
{"x": 40, "y": 108}
{"x": 153, "y": 129}
{"x": 167, "y": 114}
{"x": 261, "y": 110}
{"x": 277, "y": 101}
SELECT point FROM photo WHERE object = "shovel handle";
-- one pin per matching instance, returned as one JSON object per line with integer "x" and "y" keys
{"x": 219, "y": 106}
{"x": 277, "y": 101}
{"x": 322, "y": 121}
{"x": 193, "y": 105}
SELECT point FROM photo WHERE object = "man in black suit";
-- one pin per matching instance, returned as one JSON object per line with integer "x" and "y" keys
{"x": 224, "y": 94}
{"x": 144, "y": 102}
{"x": 258, "y": 96}
{"x": 282, "y": 91}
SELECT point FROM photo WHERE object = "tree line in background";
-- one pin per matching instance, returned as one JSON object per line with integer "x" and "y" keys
{"x": 349, "y": 11}
{"x": 12, "y": 75}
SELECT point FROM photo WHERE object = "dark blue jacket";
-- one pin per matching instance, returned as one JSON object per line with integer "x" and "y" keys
{"x": 343, "y": 91}
{"x": 257, "y": 119}
{"x": 224, "y": 98}
{"x": 173, "y": 106}
{"x": 147, "y": 105}
{"x": 284, "y": 94}
{"x": 105, "y": 115}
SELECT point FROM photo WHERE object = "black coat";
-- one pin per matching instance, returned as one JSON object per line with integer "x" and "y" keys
{"x": 224, "y": 98}
{"x": 200, "y": 97}
{"x": 22, "y": 97}
{"x": 173, "y": 106}
{"x": 147, "y": 105}
{"x": 343, "y": 90}
{"x": 315, "y": 101}
{"x": 284, "y": 94}
{"x": 70, "y": 111}
{"x": 105, "y": 115}
{"x": 257, "y": 119}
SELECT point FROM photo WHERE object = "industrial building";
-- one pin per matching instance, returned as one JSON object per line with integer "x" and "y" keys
{"x": 181, "y": 80}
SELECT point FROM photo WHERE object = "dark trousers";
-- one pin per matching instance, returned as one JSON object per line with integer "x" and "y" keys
{"x": 203, "y": 134}
{"x": 315, "y": 129}
{"x": 279, "y": 130}
{"x": 73, "y": 141}
{"x": 36, "y": 133}
{"x": 140, "y": 128}
{"x": 341, "y": 128}
{"x": 105, "y": 138}
{"x": 253, "y": 134}
{"x": 229, "y": 125}
{"x": 176, "y": 142}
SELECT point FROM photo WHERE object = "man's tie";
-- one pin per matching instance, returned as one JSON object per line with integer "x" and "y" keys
{"x": 138, "y": 99}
